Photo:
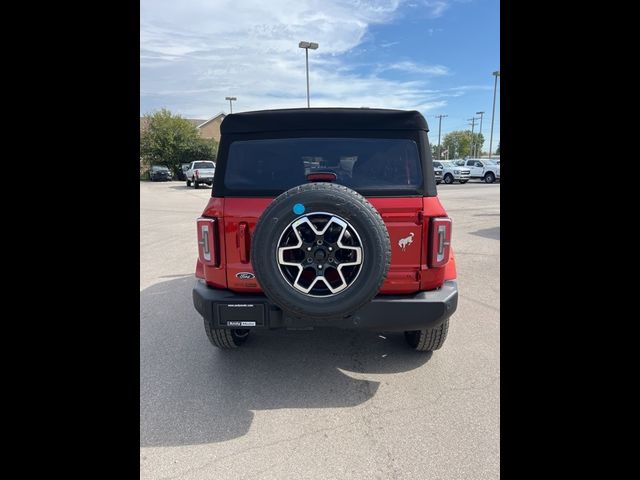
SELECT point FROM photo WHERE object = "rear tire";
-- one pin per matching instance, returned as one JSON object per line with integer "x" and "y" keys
{"x": 321, "y": 199}
{"x": 225, "y": 338}
{"x": 448, "y": 179}
{"x": 489, "y": 177}
{"x": 428, "y": 339}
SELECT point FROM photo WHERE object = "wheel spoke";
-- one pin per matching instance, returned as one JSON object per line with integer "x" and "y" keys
{"x": 320, "y": 254}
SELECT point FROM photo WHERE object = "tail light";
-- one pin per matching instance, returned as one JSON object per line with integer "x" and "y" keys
{"x": 440, "y": 241}
{"x": 208, "y": 245}
{"x": 197, "y": 173}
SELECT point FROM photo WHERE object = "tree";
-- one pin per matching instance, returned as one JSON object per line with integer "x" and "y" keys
{"x": 435, "y": 153}
{"x": 458, "y": 143}
{"x": 170, "y": 140}
{"x": 498, "y": 149}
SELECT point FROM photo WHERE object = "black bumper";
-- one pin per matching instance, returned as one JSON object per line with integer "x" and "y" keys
{"x": 227, "y": 309}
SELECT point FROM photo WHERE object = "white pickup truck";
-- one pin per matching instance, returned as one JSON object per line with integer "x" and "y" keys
{"x": 200, "y": 171}
{"x": 450, "y": 172}
{"x": 482, "y": 168}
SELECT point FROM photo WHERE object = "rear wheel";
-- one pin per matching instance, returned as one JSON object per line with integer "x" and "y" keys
{"x": 225, "y": 338}
{"x": 489, "y": 177}
{"x": 428, "y": 339}
{"x": 448, "y": 179}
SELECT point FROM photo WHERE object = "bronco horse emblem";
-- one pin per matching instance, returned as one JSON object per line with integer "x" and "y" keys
{"x": 403, "y": 242}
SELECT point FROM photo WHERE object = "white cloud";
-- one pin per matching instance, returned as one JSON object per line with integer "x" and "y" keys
{"x": 193, "y": 53}
{"x": 411, "y": 67}
{"x": 436, "y": 8}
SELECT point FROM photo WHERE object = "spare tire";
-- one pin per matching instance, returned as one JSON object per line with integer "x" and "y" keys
{"x": 320, "y": 251}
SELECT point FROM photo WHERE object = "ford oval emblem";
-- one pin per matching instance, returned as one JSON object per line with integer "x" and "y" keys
{"x": 245, "y": 275}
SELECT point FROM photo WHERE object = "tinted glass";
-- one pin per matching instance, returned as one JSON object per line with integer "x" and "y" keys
{"x": 359, "y": 163}
{"x": 204, "y": 165}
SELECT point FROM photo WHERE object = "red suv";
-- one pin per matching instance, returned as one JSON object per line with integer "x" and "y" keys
{"x": 325, "y": 217}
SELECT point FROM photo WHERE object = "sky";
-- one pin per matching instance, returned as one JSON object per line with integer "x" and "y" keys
{"x": 434, "y": 56}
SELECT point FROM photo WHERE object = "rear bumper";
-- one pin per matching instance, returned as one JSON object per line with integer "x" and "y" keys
{"x": 227, "y": 309}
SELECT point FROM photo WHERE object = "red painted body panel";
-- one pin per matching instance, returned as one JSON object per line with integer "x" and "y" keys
{"x": 407, "y": 220}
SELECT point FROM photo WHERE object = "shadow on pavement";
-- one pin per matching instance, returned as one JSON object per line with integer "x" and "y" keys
{"x": 183, "y": 186}
{"x": 192, "y": 393}
{"x": 493, "y": 233}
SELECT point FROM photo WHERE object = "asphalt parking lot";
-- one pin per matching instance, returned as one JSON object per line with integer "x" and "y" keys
{"x": 326, "y": 404}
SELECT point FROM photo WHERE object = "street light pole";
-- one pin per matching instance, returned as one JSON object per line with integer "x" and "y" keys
{"x": 480, "y": 132}
{"x": 473, "y": 124}
{"x": 307, "y": 46}
{"x": 230, "y": 100}
{"x": 495, "y": 85}
{"x": 439, "y": 117}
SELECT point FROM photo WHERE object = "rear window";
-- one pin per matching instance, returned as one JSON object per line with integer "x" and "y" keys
{"x": 204, "y": 165}
{"x": 370, "y": 165}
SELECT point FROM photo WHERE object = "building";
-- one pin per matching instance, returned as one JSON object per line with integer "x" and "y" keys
{"x": 206, "y": 128}
{"x": 211, "y": 128}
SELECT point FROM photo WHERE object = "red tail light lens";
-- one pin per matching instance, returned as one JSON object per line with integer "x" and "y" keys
{"x": 440, "y": 241}
{"x": 208, "y": 247}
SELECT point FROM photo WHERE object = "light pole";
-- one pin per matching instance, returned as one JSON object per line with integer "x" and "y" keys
{"x": 480, "y": 132}
{"x": 307, "y": 46}
{"x": 473, "y": 124}
{"x": 230, "y": 100}
{"x": 439, "y": 117}
{"x": 495, "y": 85}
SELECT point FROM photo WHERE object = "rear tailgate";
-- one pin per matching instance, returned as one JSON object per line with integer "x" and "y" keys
{"x": 402, "y": 216}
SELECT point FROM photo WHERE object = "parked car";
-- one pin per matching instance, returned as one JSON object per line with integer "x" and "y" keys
{"x": 183, "y": 170}
{"x": 483, "y": 168}
{"x": 159, "y": 173}
{"x": 199, "y": 172}
{"x": 452, "y": 172}
{"x": 358, "y": 239}
{"x": 437, "y": 171}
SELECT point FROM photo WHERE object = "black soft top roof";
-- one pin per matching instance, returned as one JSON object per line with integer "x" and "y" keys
{"x": 323, "y": 119}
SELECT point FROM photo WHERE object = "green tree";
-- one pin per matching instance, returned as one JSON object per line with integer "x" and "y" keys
{"x": 170, "y": 140}
{"x": 458, "y": 143}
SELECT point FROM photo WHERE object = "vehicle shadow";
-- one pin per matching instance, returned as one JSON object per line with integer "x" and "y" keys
{"x": 192, "y": 393}
{"x": 492, "y": 233}
{"x": 183, "y": 186}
